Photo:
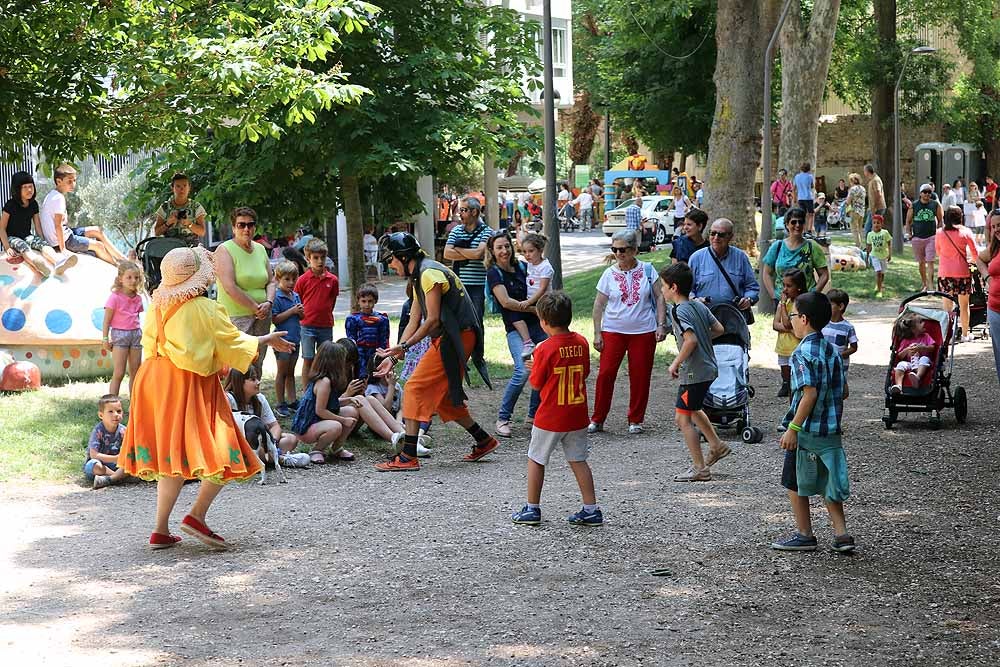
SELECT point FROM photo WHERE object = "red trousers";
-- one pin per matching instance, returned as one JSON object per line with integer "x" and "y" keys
{"x": 640, "y": 349}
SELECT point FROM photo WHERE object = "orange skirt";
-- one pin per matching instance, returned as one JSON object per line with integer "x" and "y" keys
{"x": 181, "y": 425}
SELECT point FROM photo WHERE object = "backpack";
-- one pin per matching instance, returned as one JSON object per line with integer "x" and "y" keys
{"x": 492, "y": 306}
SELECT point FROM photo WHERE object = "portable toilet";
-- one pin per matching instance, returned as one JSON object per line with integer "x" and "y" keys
{"x": 927, "y": 164}
{"x": 963, "y": 161}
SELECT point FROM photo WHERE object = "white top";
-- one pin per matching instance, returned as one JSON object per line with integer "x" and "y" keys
{"x": 630, "y": 309}
{"x": 585, "y": 200}
{"x": 536, "y": 272}
{"x": 950, "y": 199}
{"x": 681, "y": 206}
{"x": 55, "y": 202}
{"x": 370, "y": 243}
{"x": 266, "y": 413}
{"x": 564, "y": 195}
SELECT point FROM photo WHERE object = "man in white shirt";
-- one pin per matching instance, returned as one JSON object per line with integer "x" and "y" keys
{"x": 585, "y": 201}
{"x": 948, "y": 197}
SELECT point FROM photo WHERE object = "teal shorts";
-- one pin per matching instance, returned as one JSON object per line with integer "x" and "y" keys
{"x": 821, "y": 467}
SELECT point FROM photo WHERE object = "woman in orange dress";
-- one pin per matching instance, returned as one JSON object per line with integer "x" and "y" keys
{"x": 181, "y": 426}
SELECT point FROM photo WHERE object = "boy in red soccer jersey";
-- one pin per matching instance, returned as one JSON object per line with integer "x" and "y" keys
{"x": 559, "y": 369}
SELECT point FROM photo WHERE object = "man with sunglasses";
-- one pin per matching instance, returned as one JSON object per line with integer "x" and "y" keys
{"x": 722, "y": 273}
{"x": 466, "y": 248}
{"x": 922, "y": 222}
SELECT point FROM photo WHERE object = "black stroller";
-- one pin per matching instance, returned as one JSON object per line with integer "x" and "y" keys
{"x": 934, "y": 392}
{"x": 150, "y": 252}
{"x": 727, "y": 402}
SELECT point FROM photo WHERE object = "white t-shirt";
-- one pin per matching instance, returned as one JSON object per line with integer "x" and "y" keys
{"x": 266, "y": 413}
{"x": 55, "y": 202}
{"x": 564, "y": 195}
{"x": 536, "y": 272}
{"x": 585, "y": 200}
{"x": 630, "y": 308}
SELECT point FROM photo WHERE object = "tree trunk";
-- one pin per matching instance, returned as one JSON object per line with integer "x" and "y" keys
{"x": 741, "y": 34}
{"x": 883, "y": 105}
{"x": 513, "y": 164}
{"x": 805, "y": 62}
{"x": 631, "y": 144}
{"x": 584, "y": 123}
{"x": 351, "y": 190}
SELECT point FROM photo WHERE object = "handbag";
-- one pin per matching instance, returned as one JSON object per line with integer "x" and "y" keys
{"x": 748, "y": 313}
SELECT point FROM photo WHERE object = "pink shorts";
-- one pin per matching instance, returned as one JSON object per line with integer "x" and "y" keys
{"x": 923, "y": 249}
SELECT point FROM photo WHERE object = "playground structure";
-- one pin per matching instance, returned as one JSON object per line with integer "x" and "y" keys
{"x": 56, "y": 323}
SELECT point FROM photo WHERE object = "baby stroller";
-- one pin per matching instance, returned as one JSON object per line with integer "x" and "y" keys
{"x": 727, "y": 402}
{"x": 150, "y": 252}
{"x": 934, "y": 393}
{"x": 977, "y": 305}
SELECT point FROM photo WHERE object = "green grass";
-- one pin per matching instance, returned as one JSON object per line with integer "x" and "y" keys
{"x": 45, "y": 432}
{"x": 902, "y": 278}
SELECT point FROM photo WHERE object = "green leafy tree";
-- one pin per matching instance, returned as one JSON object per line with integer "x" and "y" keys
{"x": 445, "y": 81}
{"x": 78, "y": 77}
{"x": 653, "y": 64}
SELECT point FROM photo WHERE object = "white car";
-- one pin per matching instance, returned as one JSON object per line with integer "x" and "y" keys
{"x": 653, "y": 208}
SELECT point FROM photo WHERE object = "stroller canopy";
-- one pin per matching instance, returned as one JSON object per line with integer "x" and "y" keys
{"x": 737, "y": 332}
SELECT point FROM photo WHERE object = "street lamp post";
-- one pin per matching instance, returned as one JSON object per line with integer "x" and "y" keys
{"x": 549, "y": 221}
{"x": 765, "y": 304}
{"x": 897, "y": 200}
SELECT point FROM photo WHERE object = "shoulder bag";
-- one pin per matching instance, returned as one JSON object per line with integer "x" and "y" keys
{"x": 748, "y": 313}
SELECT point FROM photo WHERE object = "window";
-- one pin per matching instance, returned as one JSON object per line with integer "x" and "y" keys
{"x": 558, "y": 51}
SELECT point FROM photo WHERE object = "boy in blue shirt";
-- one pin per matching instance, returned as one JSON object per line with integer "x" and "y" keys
{"x": 368, "y": 329}
{"x": 815, "y": 463}
{"x": 804, "y": 184}
{"x": 286, "y": 313}
{"x": 101, "y": 465}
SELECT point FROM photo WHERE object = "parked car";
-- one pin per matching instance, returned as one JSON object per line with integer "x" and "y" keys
{"x": 653, "y": 207}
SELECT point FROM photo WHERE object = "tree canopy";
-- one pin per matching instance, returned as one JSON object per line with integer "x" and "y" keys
{"x": 79, "y": 77}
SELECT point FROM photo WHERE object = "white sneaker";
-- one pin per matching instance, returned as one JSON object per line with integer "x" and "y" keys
{"x": 967, "y": 339}
{"x": 295, "y": 460}
{"x": 423, "y": 452}
{"x": 527, "y": 349}
{"x": 397, "y": 442}
{"x": 896, "y": 389}
{"x": 634, "y": 429}
{"x": 595, "y": 427}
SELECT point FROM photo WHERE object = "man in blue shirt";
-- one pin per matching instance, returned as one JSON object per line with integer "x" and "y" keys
{"x": 709, "y": 281}
{"x": 805, "y": 182}
{"x": 633, "y": 216}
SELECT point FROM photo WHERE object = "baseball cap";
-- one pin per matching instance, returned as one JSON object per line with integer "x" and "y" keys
{"x": 927, "y": 187}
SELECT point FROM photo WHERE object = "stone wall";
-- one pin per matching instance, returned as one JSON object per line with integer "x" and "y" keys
{"x": 845, "y": 145}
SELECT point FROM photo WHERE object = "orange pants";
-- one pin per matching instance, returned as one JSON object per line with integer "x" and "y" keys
{"x": 426, "y": 392}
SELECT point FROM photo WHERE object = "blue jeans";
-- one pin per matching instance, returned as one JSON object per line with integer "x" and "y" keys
{"x": 520, "y": 376}
{"x": 993, "y": 319}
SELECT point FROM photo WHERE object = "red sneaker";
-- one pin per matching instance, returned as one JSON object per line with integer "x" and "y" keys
{"x": 398, "y": 464}
{"x": 197, "y": 529}
{"x": 479, "y": 451}
{"x": 161, "y": 541}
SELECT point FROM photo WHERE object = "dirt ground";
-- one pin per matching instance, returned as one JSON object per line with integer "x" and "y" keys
{"x": 344, "y": 566}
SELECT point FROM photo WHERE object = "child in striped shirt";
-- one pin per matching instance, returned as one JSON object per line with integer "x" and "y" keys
{"x": 839, "y": 332}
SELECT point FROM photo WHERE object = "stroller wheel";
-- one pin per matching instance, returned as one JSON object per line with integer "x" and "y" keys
{"x": 889, "y": 418}
{"x": 961, "y": 405}
{"x": 751, "y": 391}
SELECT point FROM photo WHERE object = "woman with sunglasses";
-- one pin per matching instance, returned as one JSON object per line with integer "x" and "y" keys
{"x": 795, "y": 252}
{"x": 629, "y": 317}
{"x": 507, "y": 280}
{"x": 246, "y": 282}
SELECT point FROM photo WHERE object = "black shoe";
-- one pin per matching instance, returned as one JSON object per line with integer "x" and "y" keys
{"x": 785, "y": 391}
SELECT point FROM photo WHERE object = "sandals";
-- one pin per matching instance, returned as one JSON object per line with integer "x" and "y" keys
{"x": 200, "y": 531}
{"x": 716, "y": 455}
{"x": 342, "y": 455}
{"x": 317, "y": 457}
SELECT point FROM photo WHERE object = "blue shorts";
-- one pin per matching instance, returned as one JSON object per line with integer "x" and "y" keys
{"x": 88, "y": 468}
{"x": 312, "y": 337}
{"x": 77, "y": 241}
{"x": 288, "y": 356}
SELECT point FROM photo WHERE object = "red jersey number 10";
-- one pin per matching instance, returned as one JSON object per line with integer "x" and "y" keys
{"x": 570, "y": 381}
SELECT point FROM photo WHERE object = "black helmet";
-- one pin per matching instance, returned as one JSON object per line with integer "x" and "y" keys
{"x": 399, "y": 244}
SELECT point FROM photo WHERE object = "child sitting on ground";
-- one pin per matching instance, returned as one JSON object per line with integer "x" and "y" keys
{"x": 539, "y": 277}
{"x": 243, "y": 392}
{"x": 912, "y": 352}
{"x": 320, "y": 420}
{"x": 878, "y": 245}
{"x": 286, "y": 313}
{"x": 793, "y": 284}
{"x": 101, "y": 465}
{"x": 815, "y": 463}
{"x": 368, "y": 329}
{"x": 122, "y": 336}
{"x": 559, "y": 370}
{"x": 694, "y": 328}
{"x": 840, "y": 333}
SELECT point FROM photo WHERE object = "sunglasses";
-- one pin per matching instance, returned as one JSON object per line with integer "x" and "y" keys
{"x": 617, "y": 250}
{"x": 925, "y": 192}
{"x": 796, "y": 222}
{"x": 466, "y": 209}
{"x": 245, "y": 225}
{"x": 721, "y": 235}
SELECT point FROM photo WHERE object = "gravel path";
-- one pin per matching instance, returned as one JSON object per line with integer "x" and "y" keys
{"x": 344, "y": 566}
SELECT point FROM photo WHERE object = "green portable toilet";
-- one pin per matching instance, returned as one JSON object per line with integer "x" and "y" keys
{"x": 963, "y": 161}
{"x": 927, "y": 165}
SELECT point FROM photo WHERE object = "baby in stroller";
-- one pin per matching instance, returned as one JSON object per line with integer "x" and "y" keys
{"x": 913, "y": 352}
